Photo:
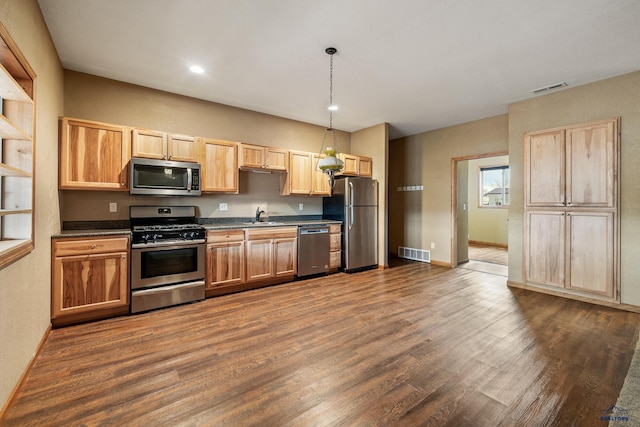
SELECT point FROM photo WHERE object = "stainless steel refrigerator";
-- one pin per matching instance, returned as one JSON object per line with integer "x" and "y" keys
{"x": 354, "y": 201}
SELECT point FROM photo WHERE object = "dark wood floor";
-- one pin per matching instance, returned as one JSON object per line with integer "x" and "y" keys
{"x": 412, "y": 345}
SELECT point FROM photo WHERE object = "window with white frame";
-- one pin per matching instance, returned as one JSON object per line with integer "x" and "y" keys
{"x": 494, "y": 186}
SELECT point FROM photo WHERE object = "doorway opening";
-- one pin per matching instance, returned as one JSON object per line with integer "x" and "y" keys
{"x": 479, "y": 214}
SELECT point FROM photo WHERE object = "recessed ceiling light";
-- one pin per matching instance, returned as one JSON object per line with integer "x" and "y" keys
{"x": 196, "y": 69}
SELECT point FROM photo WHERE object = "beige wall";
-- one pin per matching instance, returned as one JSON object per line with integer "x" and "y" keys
{"x": 619, "y": 96}
{"x": 419, "y": 218}
{"x": 374, "y": 142}
{"x": 94, "y": 98}
{"x": 486, "y": 225}
{"x": 25, "y": 285}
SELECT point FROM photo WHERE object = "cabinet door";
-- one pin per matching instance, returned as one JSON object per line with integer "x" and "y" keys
{"x": 93, "y": 155}
{"x": 182, "y": 148}
{"x": 320, "y": 180}
{"x": 591, "y": 252}
{"x": 545, "y": 248}
{"x": 545, "y": 169}
{"x": 252, "y": 157}
{"x": 259, "y": 259}
{"x": 220, "y": 166}
{"x": 299, "y": 179}
{"x": 276, "y": 159}
{"x": 285, "y": 255}
{"x": 150, "y": 144}
{"x": 86, "y": 283}
{"x": 350, "y": 164}
{"x": 365, "y": 166}
{"x": 225, "y": 264}
{"x": 591, "y": 165}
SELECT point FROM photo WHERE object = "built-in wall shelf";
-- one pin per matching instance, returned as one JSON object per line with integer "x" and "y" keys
{"x": 10, "y": 89}
{"x": 6, "y": 170}
{"x": 17, "y": 113}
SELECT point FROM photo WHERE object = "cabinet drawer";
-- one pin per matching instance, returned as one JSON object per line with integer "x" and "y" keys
{"x": 271, "y": 233}
{"x": 335, "y": 228}
{"x": 335, "y": 242}
{"x": 221, "y": 236}
{"x": 335, "y": 260}
{"x": 67, "y": 247}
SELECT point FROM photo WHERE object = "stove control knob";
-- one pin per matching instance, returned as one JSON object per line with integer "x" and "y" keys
{"x": 184, "y": 235}
{"x": 155, "y": 236}
{"x": 192, "y": 235}
{"x": 145, "y": 237}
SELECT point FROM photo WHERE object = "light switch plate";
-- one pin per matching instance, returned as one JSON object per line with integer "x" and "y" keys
{"x": 301, "y": 206}
{"x": 224, "y": 207}
{"x": 113, "y": 207}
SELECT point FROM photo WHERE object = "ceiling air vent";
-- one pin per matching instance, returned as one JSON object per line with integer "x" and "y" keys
{"x": 550, "y": 87}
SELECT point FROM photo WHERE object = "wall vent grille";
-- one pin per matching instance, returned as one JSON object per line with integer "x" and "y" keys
{"x": 414, "y": 254}
{"x": 550, "y": 87}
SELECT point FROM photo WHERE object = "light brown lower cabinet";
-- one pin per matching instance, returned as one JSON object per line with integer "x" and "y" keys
{"x": 335, "y": 246}
{"x": 90, "y": 278}
{"x": 247, "y": 258}
{"x": 572, "y": 250}
{"x": 271, "y": 253}
{"x": 225, "y": 258}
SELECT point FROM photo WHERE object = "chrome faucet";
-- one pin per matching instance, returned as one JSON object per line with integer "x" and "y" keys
{"x": 258, "y": 213}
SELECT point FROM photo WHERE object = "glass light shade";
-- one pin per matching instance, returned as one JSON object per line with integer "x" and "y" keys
{"x": 330, "y": 162}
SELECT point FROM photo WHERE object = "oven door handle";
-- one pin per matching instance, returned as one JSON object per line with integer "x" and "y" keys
{"x": 167, "y": 243}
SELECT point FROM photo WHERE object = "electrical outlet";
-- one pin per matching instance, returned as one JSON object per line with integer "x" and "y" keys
{"x": 113, "y": 207}
{"x": 224, "y": 207}
{"x": 301, "y": 206}
{"x": 433, "y": 245}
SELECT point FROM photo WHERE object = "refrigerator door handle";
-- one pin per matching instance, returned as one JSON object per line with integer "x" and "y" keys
{"x": 351, "y": 217}
{"x": 350, "y": 201}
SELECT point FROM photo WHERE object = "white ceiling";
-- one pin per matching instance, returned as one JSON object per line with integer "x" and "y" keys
{"x": 415, "y": 64}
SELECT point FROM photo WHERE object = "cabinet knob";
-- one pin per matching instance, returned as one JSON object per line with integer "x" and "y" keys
{"x": 93, "y": 246}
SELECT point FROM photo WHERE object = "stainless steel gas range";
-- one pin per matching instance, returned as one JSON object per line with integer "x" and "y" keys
{"x": 167, "y": 257}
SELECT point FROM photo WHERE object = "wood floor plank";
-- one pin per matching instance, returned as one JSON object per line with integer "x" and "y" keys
{"x": 415, "y": 344}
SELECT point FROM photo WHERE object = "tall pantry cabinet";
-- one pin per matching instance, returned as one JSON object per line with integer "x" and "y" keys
{"x": 571, "y": 209}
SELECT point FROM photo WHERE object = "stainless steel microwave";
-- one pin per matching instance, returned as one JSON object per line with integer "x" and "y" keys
{"x": 152, "y": 177}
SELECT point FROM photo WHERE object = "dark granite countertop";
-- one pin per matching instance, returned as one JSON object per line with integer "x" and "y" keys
{"x": 121, "y": 228}
{"x": 97, "y": 232}
{"x": 273, "y": 222}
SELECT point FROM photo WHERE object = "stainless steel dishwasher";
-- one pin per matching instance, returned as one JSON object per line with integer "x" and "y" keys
{"x": 313, "y": 250}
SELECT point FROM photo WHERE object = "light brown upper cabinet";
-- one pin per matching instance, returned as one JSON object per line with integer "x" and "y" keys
{"x": 304, "y": 177}
{"x": 573, "y": 166}
{"x": 319, "y": 180}
{"x": 256, "y": 157}
{"x": 355, "y": 165}
{"x": 93, "y": 155}
{"x": 17, "y": 144}
{"x": 350, "y": 164}
{"x": 219, "y": 163}
{"x": 365, "y": 166}
{"x": 153, "y": 144}
{"x": 298, "y": 180}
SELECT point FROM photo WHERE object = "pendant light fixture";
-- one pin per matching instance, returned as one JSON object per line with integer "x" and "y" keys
{"x": 329, "y": 162}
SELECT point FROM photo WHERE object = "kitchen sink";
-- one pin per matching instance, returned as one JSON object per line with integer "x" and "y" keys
{"x": 262, "y": 223}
